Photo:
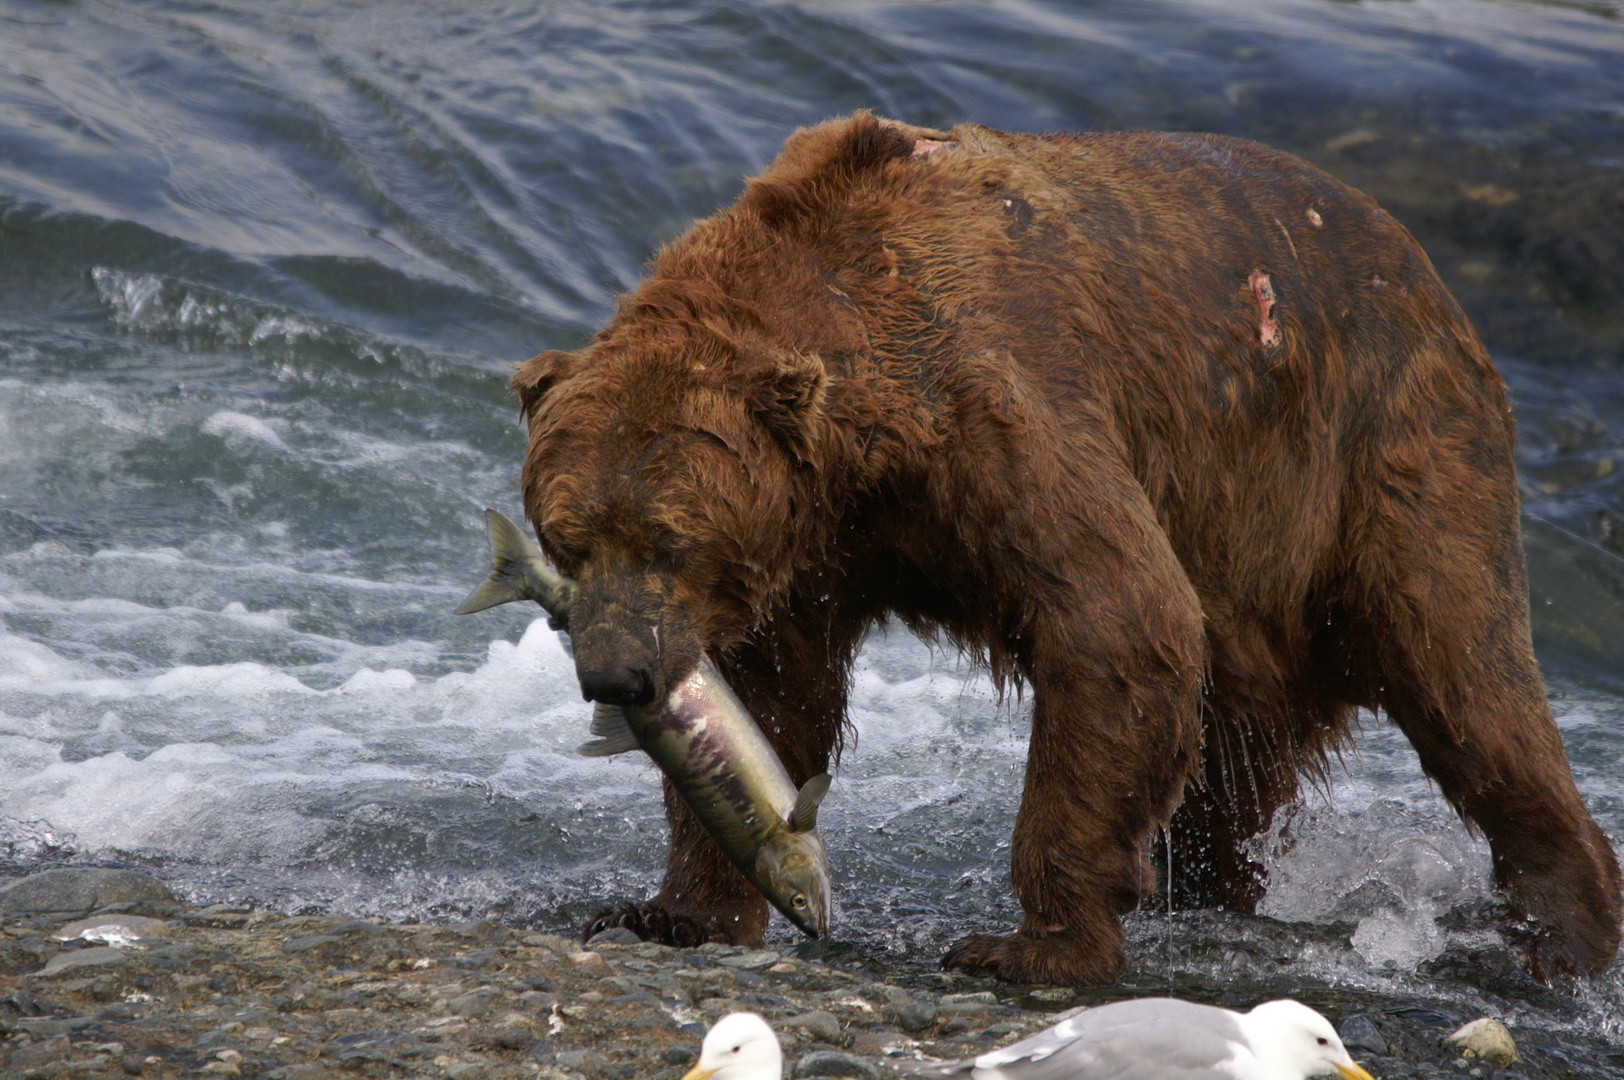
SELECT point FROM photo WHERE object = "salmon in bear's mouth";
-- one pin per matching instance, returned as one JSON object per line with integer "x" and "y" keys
{"x": 704, "y": 741}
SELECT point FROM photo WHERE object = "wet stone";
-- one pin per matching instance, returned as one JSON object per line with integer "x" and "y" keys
{"x": 514, "y": 1038}
{"x": 822, "y": 1026}
{"x": 81, "y": 889}
{"x": 1485, "y": 1039}
{"x": 749, "y": 961}
{"x": 680, "y": 1055}
{"x": 82, "y": 960}
{"x": 836, "y": 1064}
{"x": 1359, "y": 1033}
{"x": 589, "y": 1063}
{"x": 374, "y": 1046}
{"x": 615, "y": 935}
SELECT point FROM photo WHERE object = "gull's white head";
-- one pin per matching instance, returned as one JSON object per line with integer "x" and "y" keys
{"x": 1293, "y": 1042}
{"x": 740, "y": 1047}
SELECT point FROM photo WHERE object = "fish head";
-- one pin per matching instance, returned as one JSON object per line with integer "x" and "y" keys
{"x": 660, "y": 476}
{"x": 792, "y": 872}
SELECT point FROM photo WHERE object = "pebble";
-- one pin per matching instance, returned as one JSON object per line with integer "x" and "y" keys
{"x": 1359, "y": 1033}
{"x": 916, "y": 1015}
{"x": 81, "y": 959}
{"x": 480, "y": 1001}
{"x": 834, "y": 1063}
{"x": 614, "y": 935}
{"x": 1487, "y": 1039}
{"x": 822, "y": 1026}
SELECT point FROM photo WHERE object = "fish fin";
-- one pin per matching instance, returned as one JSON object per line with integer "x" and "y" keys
{"x": 510, "y": 547}
{"x": 804, "y": 817}
{"x": 609, "y": 722}
{"x": 490, "y": 593}
{"x": 608, "y": 719}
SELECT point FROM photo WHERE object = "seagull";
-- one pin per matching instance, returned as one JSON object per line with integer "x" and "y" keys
{"x": 1165, "y": 1039}
{"x": 741, "y": 1046}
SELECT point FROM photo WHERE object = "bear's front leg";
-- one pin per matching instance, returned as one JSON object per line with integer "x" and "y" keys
{"x": 1115, "y": 733}
{"x": 791, "y": 676}
{"x": 703, "y": 897}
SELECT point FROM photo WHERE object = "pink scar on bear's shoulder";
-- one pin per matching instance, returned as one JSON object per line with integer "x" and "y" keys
{"x": 1268, "y": 332}
{"x": 924, "y": 148}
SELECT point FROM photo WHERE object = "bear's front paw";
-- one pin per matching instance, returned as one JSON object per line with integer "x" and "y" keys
{"x": 1057, "y": 957}
{"x": 652, "y": 921}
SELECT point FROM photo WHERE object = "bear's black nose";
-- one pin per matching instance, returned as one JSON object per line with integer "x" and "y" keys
{"x": 618, "y": 686}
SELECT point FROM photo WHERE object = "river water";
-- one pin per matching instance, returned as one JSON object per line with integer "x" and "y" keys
{"x": 264, "y": 268}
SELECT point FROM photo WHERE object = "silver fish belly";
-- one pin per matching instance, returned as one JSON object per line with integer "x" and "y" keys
{"x": 704, "y": 741}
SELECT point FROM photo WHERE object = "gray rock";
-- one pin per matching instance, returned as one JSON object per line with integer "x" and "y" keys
{"x": 680, "y": 1055}
{"x": 385, "y": 1046}
{"x": 916, "y": 1015}
{"x": 1359, "y": 1033}
{"x": 73, "y": 888}
{"x": 834, "y": 1063}
{"x": 589, "y": 1063}
{"x": 81, "y": 960}
{"x": 467, "y": 1070}
{"x": 473, "y": 1003}
{"x": 295, "y": 945}
{"x": 515, "y": 1038}
{"x": 615, "y": 935}
{"x": 980, "y": 997}
{"x": 756, "y": 958}
{"x": 113, "y": 928}
{"x": 822, "y": 1026}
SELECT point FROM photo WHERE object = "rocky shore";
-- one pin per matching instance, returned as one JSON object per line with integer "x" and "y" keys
{"x": 103, "y": 973}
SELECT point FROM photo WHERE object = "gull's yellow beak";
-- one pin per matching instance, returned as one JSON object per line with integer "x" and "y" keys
{"x": 696, "y": 1073}
{"x": 1350, "y": 1071}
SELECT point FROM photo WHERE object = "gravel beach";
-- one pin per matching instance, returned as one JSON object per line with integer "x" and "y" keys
{"x": 144, "y": 986}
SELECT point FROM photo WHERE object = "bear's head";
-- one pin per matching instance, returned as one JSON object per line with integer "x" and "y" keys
{"x": 664, "y": 474}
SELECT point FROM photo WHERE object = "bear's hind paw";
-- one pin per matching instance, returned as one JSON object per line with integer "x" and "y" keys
{"x": 1057, "y": 957}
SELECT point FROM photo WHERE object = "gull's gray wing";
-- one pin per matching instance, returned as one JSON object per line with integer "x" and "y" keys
{"x": 1147, "y": 1039}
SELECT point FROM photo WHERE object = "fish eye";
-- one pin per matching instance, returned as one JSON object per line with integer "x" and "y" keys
{"x": 798, "y": 900}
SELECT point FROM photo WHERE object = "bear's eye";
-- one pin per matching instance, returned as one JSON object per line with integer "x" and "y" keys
{"x": 561, "y": 551}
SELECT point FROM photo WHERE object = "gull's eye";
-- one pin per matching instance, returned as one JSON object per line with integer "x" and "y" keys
{"x": 798, "y": 901}
{"x": 1323, "y": 1041}
{"x": 736, "y": 1049}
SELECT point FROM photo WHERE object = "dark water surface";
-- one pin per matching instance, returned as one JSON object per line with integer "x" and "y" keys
{"x": 264, "y": 268}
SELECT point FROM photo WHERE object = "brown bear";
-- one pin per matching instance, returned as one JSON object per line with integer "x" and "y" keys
{"x": 1174, "y": 429}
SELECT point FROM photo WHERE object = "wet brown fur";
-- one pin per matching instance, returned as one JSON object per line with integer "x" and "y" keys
{"x": 1180, "y": 432}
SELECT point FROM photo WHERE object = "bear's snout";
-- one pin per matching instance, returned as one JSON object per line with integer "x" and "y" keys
{"x": 618, "y": 685}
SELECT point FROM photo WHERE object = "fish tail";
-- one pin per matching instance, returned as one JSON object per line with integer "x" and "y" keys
{"x": 510, "y": 550}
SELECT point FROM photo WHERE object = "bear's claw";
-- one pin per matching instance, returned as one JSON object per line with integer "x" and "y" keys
{"x": 653, "y": 922}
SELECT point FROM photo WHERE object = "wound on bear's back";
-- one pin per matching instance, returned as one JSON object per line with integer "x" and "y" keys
{"x": 1263, "y": 292}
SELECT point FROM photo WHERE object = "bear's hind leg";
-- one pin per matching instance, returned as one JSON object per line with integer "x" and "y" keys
{"x": 1489, "y": 741}
{"x": 1449, "y": 629}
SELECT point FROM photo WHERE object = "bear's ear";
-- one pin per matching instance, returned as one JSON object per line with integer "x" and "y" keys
{"x": 785, "y": 395}
{"x": 536, "y": 376}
